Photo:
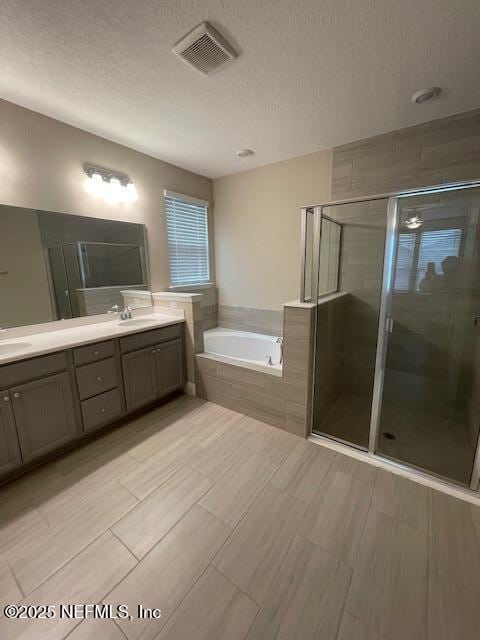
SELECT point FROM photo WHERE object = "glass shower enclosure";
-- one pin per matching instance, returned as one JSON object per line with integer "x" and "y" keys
{"x": 397, "y": 352}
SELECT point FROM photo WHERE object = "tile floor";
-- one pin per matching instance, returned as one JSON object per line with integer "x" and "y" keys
{"x": 235, "y": 530}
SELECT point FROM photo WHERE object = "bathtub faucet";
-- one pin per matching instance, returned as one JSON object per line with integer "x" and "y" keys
{"x": 280, "y": 342}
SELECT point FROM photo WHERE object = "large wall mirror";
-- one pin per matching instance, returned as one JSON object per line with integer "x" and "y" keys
{"x": 56, "y": 266}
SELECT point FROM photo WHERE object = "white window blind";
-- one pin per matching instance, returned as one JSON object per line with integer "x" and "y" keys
{"x": 435, "y": 246}
{"x": 187, "y": 228}
{"x": 405, "y": 252}
{"x": 416, "y": 250}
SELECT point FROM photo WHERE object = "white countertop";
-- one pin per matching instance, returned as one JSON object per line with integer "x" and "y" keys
{"x": 38, "y": 344}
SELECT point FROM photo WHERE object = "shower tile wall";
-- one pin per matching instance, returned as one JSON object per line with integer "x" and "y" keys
{"x": 444, "y": 150}
{"x": 330, "y": 345}
{"x": 361, "y": 269}
{"x": 345, "y": 372}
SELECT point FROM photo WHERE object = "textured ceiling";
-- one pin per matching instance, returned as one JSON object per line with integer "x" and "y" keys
{"x": 311, "y": 74}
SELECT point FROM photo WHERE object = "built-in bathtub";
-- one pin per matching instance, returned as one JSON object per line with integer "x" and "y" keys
{"x": 244, "y": 348}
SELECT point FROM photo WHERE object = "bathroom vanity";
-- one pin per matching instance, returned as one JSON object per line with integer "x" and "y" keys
{"x": 62, "y": 385}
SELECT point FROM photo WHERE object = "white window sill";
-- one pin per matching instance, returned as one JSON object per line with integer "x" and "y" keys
{"x": 191, "y": 287}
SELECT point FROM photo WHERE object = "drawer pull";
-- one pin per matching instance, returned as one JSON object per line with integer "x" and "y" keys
{"x": 16, "y": 394}
{"x": 99, "y": 378}
{"x": 103, "y": 410}
{"x": 6, "y": 399}
{"x": 95, "y": 353}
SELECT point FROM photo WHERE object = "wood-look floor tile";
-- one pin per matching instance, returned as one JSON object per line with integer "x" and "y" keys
{"x": 213, "y": 610}
{"x": 222, "y": 453}
{"x": 454, "y": 544}
{"x": 337, "y": 514}
{"x": 273, "y": 443}
{"x": 253, "y": 553}
{"x": 353, "y": 629}
{"x": 159, "y": 467}
{"x": 166, "y": 574}
{"x": 303, "y": 471}
{"x": 307, "y": 597}
{"x": 402, "y": 499}
{"x": 208, "y": 431}
{"x": 237, "y": 490}
{"x": 9, "y": 590}
{"x": 454, "y": 611}
{"x": 207, "y": 412}
{"x": 48, "y": 550}
{"x": 149, "y": 521}
{"x": 85, "y": 579}
{"x": 254, "y": 426}
{"x": 159, "y": 436}
{"x": 96, "y": 630}
{"x": 389, "y": 585}
{"x": 17, "y": 526}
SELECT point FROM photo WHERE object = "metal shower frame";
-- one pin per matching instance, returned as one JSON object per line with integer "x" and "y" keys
{"x": 392, "y": 198}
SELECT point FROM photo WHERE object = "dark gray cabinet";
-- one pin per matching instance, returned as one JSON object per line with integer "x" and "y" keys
{"x": 9, "y": 450}
{"x": 44, "y": 415}
{"x": 52, "y": 400}
{"x": 169, "y": 367}
{"x": 151, "y": 373}
{"x": 139, "y": 378}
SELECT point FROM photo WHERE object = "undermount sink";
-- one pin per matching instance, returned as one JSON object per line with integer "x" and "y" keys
{"x": 11, "y": 347}
{"x": 132, "y": 322}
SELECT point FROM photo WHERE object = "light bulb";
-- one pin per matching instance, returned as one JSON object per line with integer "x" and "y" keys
{"x": 114, "y": 191}
{"x": 132, "y": 193}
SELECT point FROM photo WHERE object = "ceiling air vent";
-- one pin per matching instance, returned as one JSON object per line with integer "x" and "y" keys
{"x": 204, "y": 49}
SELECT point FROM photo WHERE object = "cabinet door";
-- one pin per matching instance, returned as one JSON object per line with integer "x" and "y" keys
{"x": 9, "y": 450}
{"x": 139, "y": 378}
{"x": 44, "y": 415}
{"x": 169, "y": 364}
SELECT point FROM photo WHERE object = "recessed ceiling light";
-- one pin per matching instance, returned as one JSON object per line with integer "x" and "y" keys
{"x": 243, "y": 153}
{"x": 426, "y": 95}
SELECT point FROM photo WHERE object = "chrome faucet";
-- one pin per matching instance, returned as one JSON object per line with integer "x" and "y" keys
{"x": 126, "y": 314}
{"x": 280, "y": 342}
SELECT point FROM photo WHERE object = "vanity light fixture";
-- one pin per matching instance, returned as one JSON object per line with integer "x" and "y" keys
{"x": 112, "y": 186}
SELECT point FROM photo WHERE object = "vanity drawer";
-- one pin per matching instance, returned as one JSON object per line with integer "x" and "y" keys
{"x": 12, "y": 374}
{"x": 149, "y": 338}
{"x": 96, "y": 378}
{"x": 101, "y": 410}
{"x": 93, "y": 352}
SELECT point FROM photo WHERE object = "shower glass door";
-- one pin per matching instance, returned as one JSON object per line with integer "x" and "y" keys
{"x": 352, "y": 241}
{"x": 429, "y": 416}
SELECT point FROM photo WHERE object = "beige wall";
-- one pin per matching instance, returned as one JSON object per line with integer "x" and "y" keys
{"x": 257, "y": 229}
{"x": 41, "y": 163}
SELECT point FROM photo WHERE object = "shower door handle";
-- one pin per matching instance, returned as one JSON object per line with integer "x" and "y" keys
{"x": 389, "y": 325}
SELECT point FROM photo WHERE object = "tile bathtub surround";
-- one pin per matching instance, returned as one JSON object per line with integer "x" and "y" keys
{"x": 282, "y": 402}
{"x": 189, "y": 306}
{"x": 444, "y": 150}
{"x": 268, "y": 321}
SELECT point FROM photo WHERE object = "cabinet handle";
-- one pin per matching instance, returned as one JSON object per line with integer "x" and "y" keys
{"x": 95, "y": 353}
{"x": 154, "y": 351}
{"x": 16, "y": 394}
{"x": 6, "y": 398}
{"x": 99, "y": 378}
{"x": 103, "y": 409}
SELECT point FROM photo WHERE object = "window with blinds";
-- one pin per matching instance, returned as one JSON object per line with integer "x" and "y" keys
{"x": 187, "y": 228}
{"x": 419, "y": 251}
